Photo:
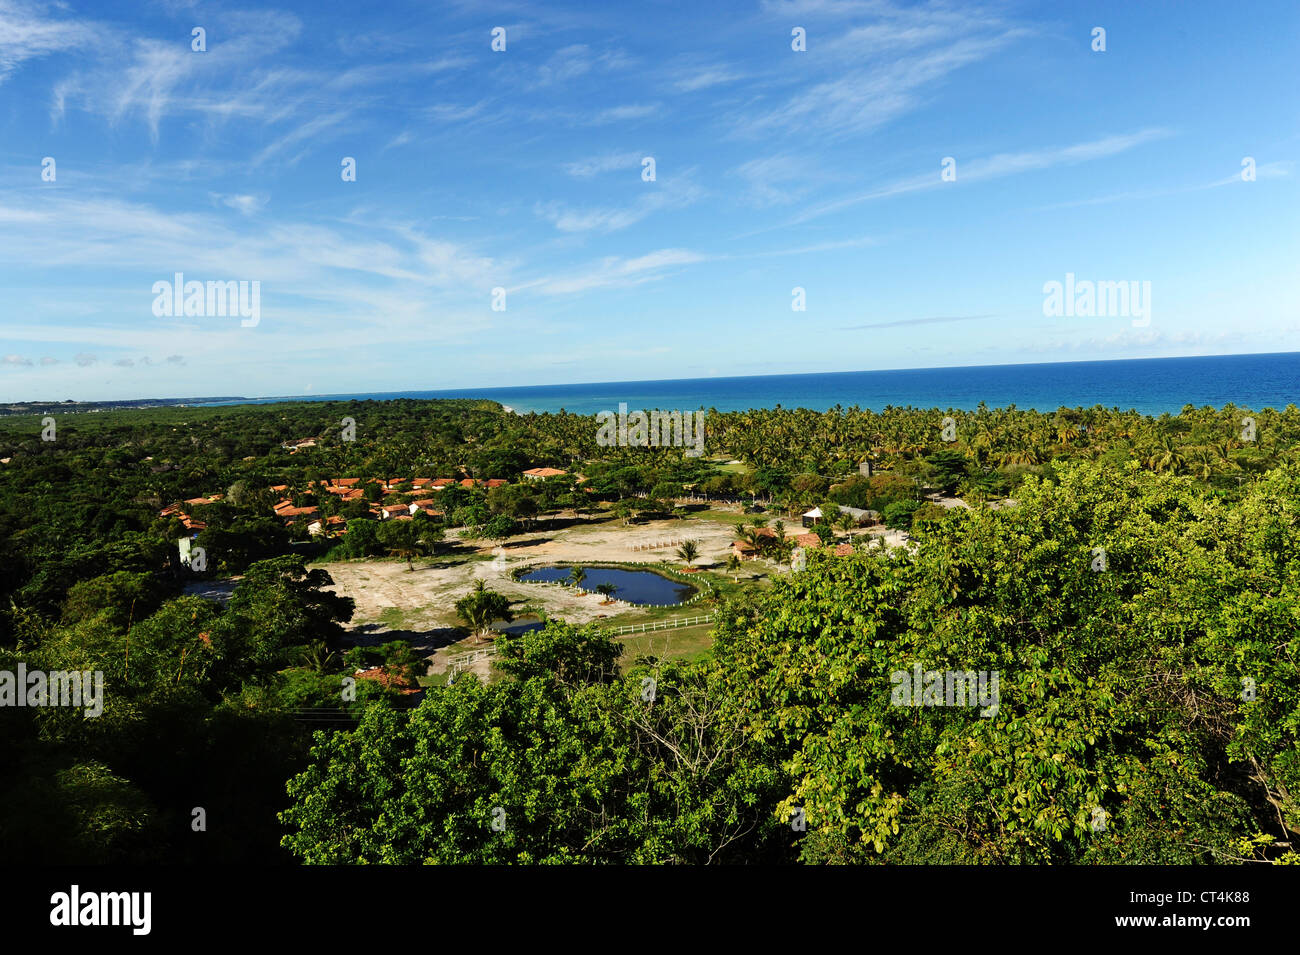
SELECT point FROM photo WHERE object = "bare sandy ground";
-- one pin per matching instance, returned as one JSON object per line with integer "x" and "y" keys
{"x": 418, "y": 605}
{"x": 425, "y": 597}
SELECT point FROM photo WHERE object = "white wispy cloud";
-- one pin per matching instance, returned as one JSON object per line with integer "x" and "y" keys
{"x": 672, "y": 193}
{"x": 856, "y": 100}
{"x": 994, "y": 167}
{"x": 619, "y": 272}
{"x": 247, "y": 204}
{"x": 578, "y": 59}
{"x": 379, "y": 280}
{"x": 1263, "y": 172}
{"x": 616, "y": 114}
{"x": 401, "y": 139}
{"x": 706, "y": 78}
{"x": 828, "y": 246}
{"x": 776, "y": 180}
{"x": 310, "y": 131}
{"x": 28, "y": 33}
{"x": 907, "y": 322}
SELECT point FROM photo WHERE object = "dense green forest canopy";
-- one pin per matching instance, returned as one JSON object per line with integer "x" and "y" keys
{"x": 1123, "y": 734}
{"x": 1155, "y": 691}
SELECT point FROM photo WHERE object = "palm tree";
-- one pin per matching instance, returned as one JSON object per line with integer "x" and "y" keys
{"x": 1204, "y": 461}
{"x": 733, "y": 567}
{"x": 689, "y": 551}
{"x": 577, "y": 575}
{"x": 1167, "y": 456}
{"x": 1223, "y": 451}
{"x": 318, "y": 657}
{"x": 756, "y": 540}
{"x": 606, "y": 590}
{"x": 481, "y": 606}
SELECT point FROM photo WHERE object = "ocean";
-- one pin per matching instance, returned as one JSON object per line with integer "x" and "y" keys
{"x": 1149, "y": 385}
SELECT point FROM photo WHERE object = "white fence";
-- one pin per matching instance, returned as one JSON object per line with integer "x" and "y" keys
{"x": 662, "y": 625}
{"x": 462, "y": 664}
{"x": 657, "y": 545}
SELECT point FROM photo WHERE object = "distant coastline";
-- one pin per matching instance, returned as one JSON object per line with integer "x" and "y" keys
{"x": 1149, "y": 385}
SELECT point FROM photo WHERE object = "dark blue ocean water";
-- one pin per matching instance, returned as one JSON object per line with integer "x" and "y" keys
{"x": 1148, "y": 385}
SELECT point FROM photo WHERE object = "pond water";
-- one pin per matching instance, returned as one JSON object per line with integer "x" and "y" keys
{"x": 518, "y": 627}
{"x": 218, "y": 590}
{"x": 633, "y": 586}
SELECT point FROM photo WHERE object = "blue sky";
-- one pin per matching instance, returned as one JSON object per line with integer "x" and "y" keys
{"x": 522, "y": 170}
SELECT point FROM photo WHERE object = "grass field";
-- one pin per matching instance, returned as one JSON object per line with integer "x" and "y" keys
{"x": 683, "y": 643}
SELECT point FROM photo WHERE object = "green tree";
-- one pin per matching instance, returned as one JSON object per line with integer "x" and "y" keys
{"x": 278, "y": 607}
{"x": 481, "y": 607}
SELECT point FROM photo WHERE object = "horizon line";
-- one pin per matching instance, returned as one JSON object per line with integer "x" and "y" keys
{"x": 639, "y": 381}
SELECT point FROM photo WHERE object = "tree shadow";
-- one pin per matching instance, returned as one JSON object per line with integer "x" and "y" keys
{"x": 531, "y": 542}
{"x": 423, "y": 642}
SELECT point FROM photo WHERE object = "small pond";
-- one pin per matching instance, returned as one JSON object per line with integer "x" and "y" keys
{"x": 518, "y": 627}
{"x": 633, "y": 586}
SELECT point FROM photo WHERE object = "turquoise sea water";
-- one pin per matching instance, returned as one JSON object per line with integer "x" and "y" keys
{"x": 1149, "y": 385}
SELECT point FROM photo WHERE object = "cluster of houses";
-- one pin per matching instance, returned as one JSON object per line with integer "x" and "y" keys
{"x": 181, "y": 512}
{"x": 419, "y": 495}
{"x": 862, "y": 518}
{"x": 746, "y": 551}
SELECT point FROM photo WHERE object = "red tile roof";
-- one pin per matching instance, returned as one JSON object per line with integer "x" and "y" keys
{"x": 292, "y": 511}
